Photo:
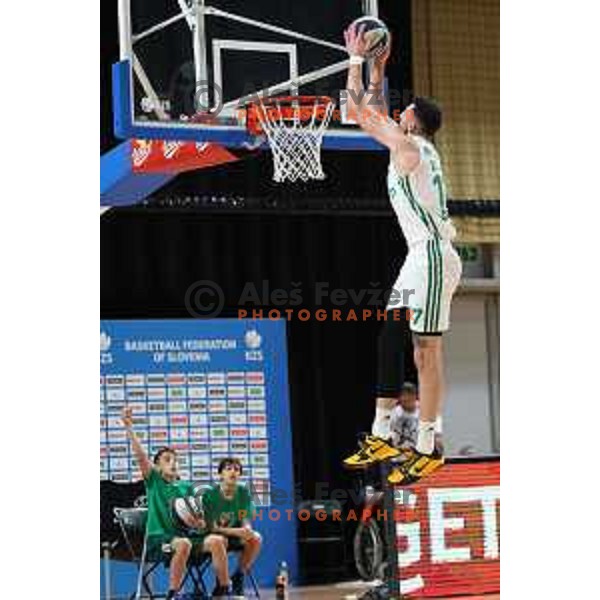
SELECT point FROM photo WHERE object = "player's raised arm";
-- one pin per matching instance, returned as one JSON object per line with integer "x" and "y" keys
{"x": 369, "y": 107}
{"x": 375, "y": 90}
{"x": 138, "y": 450}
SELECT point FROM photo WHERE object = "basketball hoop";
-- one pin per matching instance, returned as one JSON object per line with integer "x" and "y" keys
{"x": 294, "y": 126}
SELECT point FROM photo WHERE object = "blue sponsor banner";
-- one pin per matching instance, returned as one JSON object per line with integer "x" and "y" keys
{"x": 210, "y": 389}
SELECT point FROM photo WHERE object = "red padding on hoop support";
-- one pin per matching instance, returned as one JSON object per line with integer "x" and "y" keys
{"x": 168, "y": 156}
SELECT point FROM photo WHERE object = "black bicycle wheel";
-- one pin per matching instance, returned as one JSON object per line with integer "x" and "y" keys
{"x": 368, "y": 550}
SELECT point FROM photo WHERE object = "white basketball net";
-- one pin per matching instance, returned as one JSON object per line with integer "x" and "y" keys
{"x": 296, "y": 141}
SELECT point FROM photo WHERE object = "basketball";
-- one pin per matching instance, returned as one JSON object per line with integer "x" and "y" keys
{"x": 376, "y": 34}
{"x": 186, "y": 510}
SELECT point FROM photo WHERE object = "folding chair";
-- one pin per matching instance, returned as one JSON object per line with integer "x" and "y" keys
{"x": 234, "y": 547}
{"x": 132, "y": 522}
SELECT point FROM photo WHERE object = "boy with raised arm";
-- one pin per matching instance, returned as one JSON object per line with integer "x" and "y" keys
{"x": 162, "y": 487}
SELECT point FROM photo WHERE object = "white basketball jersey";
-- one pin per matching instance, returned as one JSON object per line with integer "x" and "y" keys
{"x": 419, "y": 199}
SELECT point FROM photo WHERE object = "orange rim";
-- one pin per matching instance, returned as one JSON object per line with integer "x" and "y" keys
{"x": 286, "y": 108}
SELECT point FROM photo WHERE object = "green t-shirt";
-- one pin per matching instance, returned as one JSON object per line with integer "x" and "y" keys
{"x": 160, "y": 494}
{"x": 227, "y": 512}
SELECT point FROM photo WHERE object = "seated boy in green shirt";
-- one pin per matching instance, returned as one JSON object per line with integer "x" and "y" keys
{"x": 228, "y": 510}
{"x": 163, "y": 486}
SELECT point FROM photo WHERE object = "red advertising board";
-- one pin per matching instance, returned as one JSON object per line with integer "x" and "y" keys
{"x": 447, "y": 532}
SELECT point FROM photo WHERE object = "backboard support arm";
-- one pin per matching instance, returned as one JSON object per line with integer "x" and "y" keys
{"x": 202, "y": 98}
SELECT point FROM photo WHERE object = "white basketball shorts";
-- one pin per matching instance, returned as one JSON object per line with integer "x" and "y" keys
{"x": 427, "y": 281}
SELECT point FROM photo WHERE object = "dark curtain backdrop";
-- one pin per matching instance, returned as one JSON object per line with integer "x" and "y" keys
{"x": 149, "y": 258}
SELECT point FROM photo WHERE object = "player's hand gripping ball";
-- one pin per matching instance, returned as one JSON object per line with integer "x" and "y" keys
{"x": 368, "y": 37}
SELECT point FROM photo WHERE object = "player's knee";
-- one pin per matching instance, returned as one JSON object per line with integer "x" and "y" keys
{"x": 182, "y": 546}
{"x": 217, "y": 544}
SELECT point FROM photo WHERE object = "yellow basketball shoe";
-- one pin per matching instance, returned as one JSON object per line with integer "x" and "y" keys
{"x": 416, "y": 467}
{"x": 372, "y": 450}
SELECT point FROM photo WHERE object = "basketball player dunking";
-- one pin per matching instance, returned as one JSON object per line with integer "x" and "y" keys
{"x": 429, "y": 275}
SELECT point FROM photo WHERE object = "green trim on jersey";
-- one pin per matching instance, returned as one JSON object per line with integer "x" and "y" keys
{"x": 434, "y": 286}
{"x": 439, "y": 282}
{"x": 438, "y": 181}
{"x": 429, "y": 286}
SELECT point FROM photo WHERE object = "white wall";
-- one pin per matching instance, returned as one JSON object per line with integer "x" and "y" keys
{"x": 467, "y": 413}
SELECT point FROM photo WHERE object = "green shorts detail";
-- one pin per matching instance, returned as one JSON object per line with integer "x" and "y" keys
{"x": 156, "y": 542}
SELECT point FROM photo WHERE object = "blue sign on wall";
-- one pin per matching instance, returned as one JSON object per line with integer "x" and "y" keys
{"x": 210, "y": 389}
